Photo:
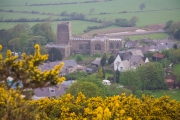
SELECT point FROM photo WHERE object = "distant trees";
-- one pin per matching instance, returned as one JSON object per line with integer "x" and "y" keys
{"x": 142, "y": 6}
{"x": 79, "y": 58}
{"x": 150, "y": 76}
{"x": 29, "y": 44}
{"x": 87, "y": 88}
{"x": 173, "y": 28}
{"x": 111, "y": 59}
{"x": 103, "y": 60}
{"x": 91, "y": 10}
{"x": 45, "y": 30}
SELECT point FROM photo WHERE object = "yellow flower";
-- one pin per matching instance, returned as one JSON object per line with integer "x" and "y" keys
{"x": 129, "y": 118}
{"x": 0, "y": 47}
{"x": 122, "y": 111}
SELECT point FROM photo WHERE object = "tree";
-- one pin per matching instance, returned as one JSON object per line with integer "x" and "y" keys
{"x": 45, "y": 30}
{"x": 14, "y": 44}
{"x": 151, "y": 76}
{"x": 142, "y": 6}
{"x": 100, "y": 72}
{"x": 103, "y": 60}
{"x": 131, "y": 80}
{"x": 29, "y": 44}
{"x": 54, "y": 54}
{"x": 91, "y": 10}
{"x": 177, "y": 35}
{"x": 26, "y": 70}
{"x": 117, "y": 76}
{"x": 175, "y": 46}
{"x": 89, "y": 89}
{"x": 111, "y": 59}
{"x": 132, "y": 21}
{"x": 168, "y": 24}
{"x": 79, "y": 58}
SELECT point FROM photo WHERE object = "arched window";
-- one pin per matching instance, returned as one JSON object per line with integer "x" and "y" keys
{"x": 117, "y": 46}
{"x": 111, "y": 46}
{"x": 97, "y": 47}
{"x": 80, "y": 46}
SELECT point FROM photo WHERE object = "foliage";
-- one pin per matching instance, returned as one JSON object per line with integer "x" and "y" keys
{"x": 177, "y": 34}
{"x": 45, "y": 30}
{"x": 79, "y": 58}
{"x": 131, "y": 80}
{"x": 14, "y": 44}
{"x": 168, "y": 24}
{"x": 89, "y": 89}
{"x": 111, "y": 59}
{"x": 117, "y": 76}
{"x": 103, "y": 60}
{"x": 29, "y": 44}
{"x": 100, "y": 72}
{"x": 139, "y": 93}
{"x": 26, "y": 70}
{"x": 75, "y": 75}
{"x": 142, "y": 6}
{"x": 95, "y": 108}
{"x": 151, "y": 76}
{"x": 54, "y": 54}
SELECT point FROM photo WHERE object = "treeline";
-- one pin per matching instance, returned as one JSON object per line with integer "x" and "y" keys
{"x": 173, "y": 29}
{"x": 64, "y": 3}
{"x": 22, "y": 37}
{"x": 118, "y": 22}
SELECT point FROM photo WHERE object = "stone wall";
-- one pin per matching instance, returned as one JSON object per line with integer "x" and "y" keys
{"x": 63, "y": 33}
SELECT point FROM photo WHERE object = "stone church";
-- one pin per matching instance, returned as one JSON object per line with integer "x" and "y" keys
{"x": 68, "y": 45}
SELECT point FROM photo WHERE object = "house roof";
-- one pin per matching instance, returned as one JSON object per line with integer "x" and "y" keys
{"x": 137, "y": 52}
{"x": 50, "y": 65}
{"x": 135, "y": 59}
{"x": 96, "y": 61}
{"x": 158, "y": 55}
{"x": 133, "y": 43}
{"x": 45, "y": 92}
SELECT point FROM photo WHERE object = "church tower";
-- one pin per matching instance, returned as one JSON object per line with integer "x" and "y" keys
{"x": 63, "y": 33}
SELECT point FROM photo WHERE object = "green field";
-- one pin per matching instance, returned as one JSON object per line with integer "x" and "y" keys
{"x": 159, "y": 36}
{"x": 174, "y": 94}
{"x": 156, "y": 12}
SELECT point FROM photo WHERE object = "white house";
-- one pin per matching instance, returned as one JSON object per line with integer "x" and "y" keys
{"x": 117, "y": 62}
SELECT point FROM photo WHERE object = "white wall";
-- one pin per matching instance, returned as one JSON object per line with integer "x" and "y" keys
{"x": 118, "y": 59}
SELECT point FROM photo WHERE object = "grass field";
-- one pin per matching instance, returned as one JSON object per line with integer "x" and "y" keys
{"x": 156, "y": 12}
{"x": 159, "y": 36}
{"x": 174, "y": 94}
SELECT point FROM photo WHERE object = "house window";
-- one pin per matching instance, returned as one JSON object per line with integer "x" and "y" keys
{"x": 80, "y": 46}
{"x": 111, "y": 46}
{"x": 51, "y": 90}
{"x": 97, "y": 47}
{"x": 117, "y": 46}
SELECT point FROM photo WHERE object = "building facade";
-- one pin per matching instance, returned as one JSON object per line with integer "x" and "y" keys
{"x": 67, "y": 44}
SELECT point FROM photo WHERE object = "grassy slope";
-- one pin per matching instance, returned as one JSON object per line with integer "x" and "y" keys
{"x": 176, "y": 67}
{"x": 115, "y": 6}
{"x": 159, "y": 36}
{"x": 174, "y": 94}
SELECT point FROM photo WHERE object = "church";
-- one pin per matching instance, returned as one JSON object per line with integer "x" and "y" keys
{"x": 68, "y": 45}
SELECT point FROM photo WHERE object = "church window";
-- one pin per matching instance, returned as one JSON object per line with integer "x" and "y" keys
{"x": 97, "y": 47}
{"x": 117, "y": 46}
{"x": 111, "y": 46}
{"x": 80, "y": 46}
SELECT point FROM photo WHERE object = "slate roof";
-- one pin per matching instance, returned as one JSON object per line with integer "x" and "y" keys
{"x": 45, "y": 92}
{"x": 134, "y": 60}
{"x": 50, "y": 65}
{"x": 97, "y": 61}
{"x": 133, "y": 43}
